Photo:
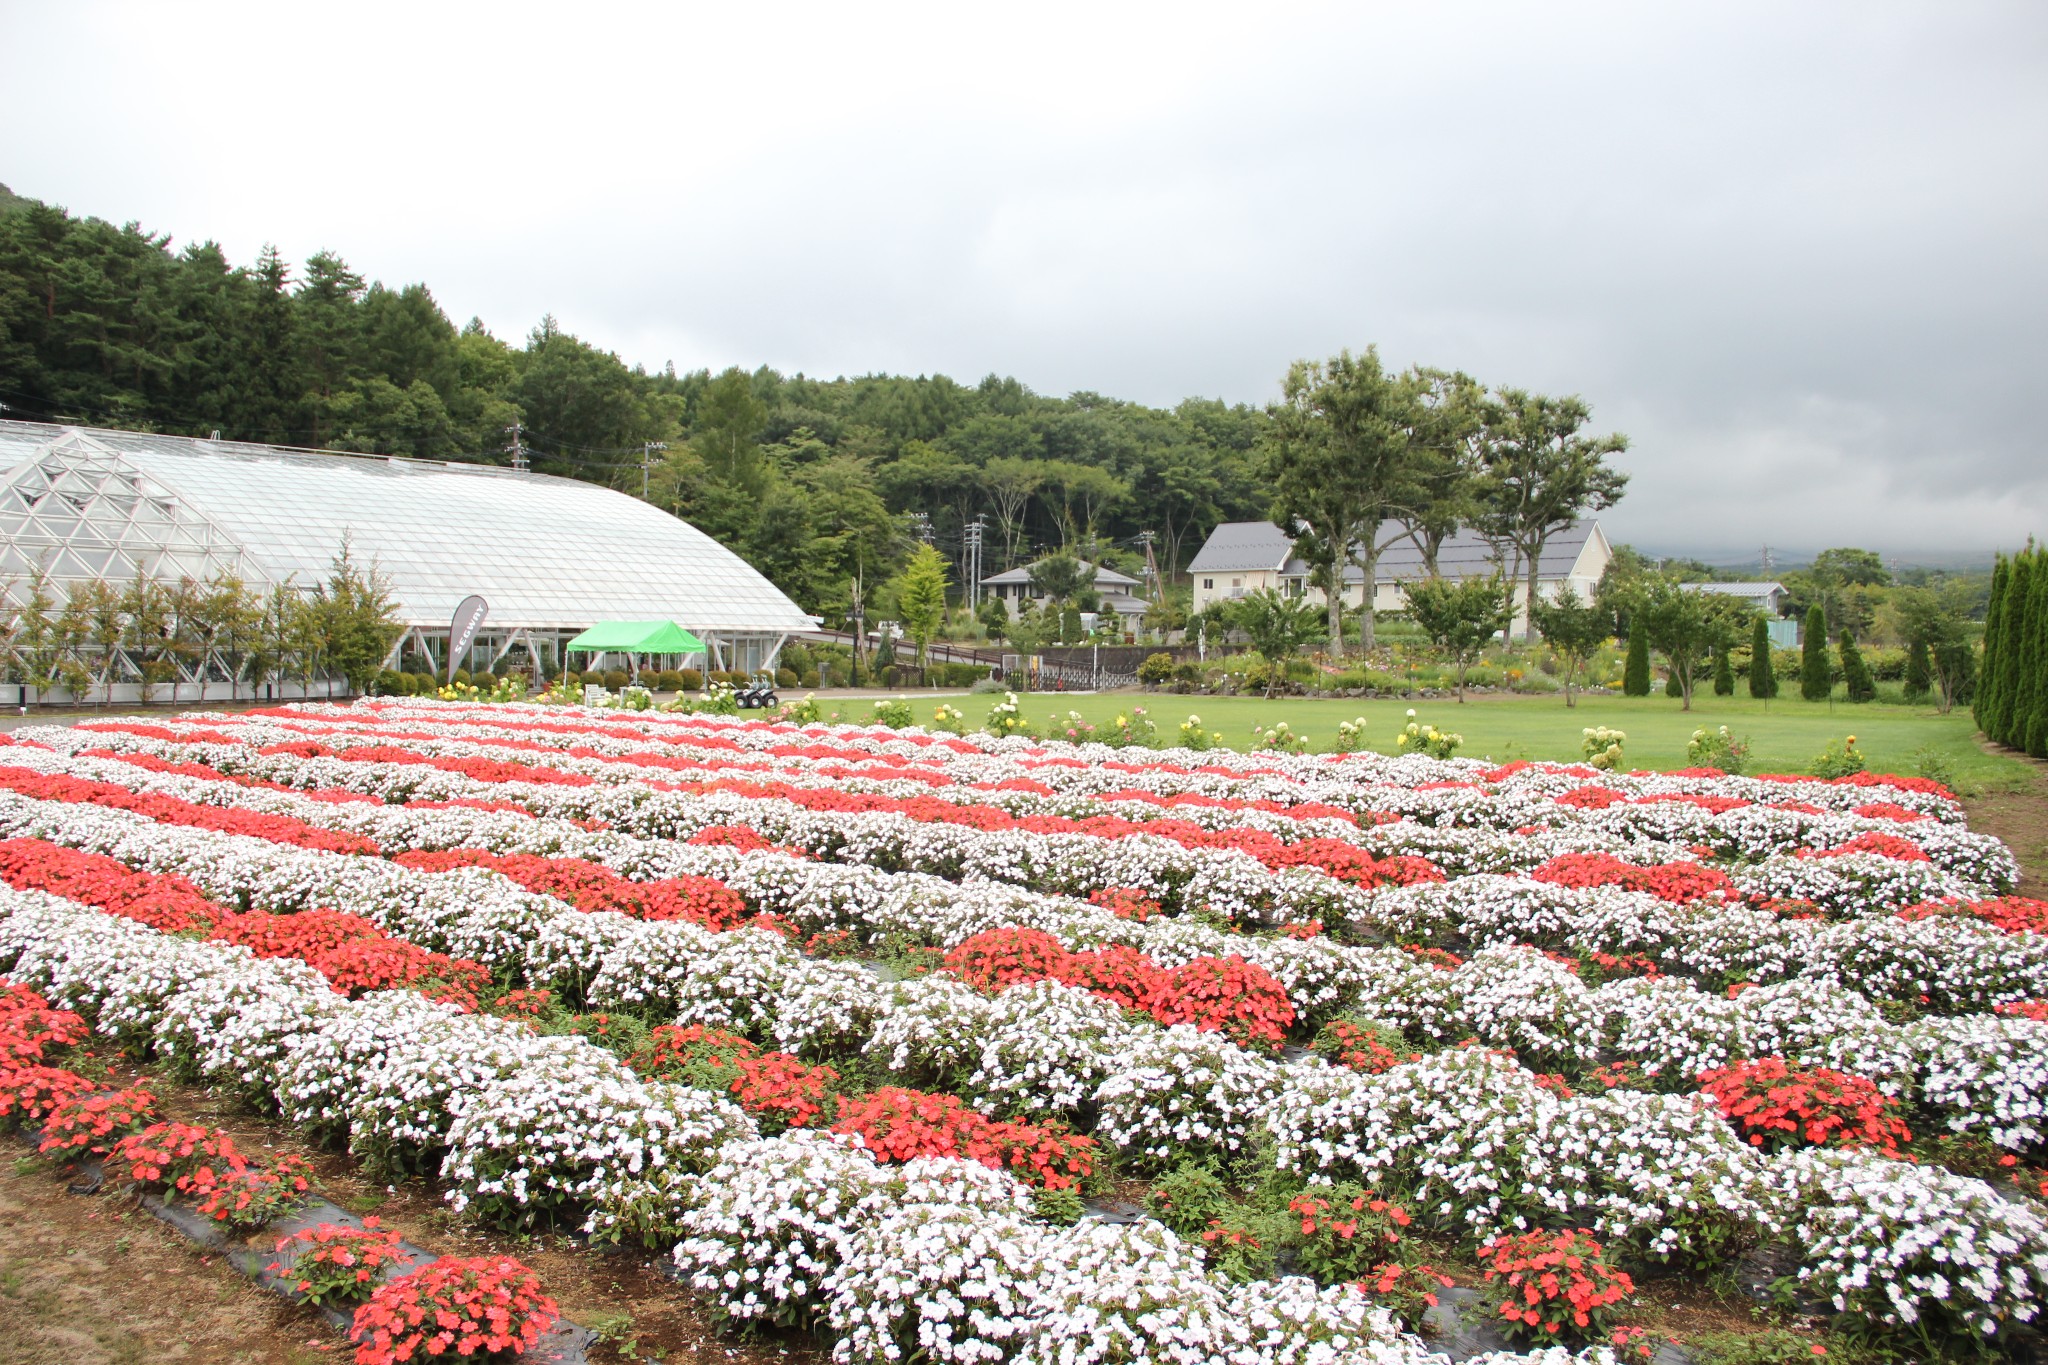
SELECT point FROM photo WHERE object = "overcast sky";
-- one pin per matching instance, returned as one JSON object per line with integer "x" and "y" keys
{"x": 1799, "y": 253}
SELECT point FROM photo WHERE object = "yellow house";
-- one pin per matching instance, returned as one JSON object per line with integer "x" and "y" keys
{"x": 1241, "y": 557}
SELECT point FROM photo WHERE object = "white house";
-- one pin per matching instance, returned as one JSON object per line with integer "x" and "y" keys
{"x": 1241, "y": 557}
{"x": 1117, "y": 592}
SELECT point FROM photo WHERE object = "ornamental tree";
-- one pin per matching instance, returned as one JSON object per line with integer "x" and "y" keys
{"x": 1575, "y": 629}
{"x": 1635, "y": 673}
{"x": 1461, "y": 617}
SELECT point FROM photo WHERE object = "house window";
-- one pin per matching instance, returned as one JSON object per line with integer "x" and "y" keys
{"x": 1237, "y": 582}
{"x": 1208, "y": 583}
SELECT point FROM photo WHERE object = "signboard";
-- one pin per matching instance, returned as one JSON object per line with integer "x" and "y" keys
{"x": 462, "y": 628}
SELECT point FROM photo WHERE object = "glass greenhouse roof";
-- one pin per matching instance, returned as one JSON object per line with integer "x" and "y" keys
{"x": 545, "y": 552}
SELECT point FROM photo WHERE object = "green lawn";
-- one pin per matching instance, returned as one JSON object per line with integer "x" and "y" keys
{"x": 1786, "y": 735}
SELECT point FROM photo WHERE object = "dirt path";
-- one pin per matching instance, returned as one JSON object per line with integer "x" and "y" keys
{"x": 95, "y": 1281}
{"x": 2020, "y": 818}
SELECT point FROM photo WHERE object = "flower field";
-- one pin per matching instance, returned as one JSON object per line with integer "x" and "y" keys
{"x": 883, "y": 1034}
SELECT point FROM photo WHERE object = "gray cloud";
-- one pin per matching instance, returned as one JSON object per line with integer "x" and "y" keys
{"x": 1799, "y": 254}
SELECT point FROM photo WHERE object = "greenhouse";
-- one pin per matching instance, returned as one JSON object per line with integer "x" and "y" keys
{"x": 550, "y": 556}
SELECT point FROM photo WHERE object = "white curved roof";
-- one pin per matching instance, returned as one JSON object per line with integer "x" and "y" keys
{"x": 545, "y": 552}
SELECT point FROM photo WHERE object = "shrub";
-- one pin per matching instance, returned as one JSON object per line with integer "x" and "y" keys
{"x": 1133, "y": 730}
{"x": 1006, "y": 717}
{"x": 1280, "y": 738}
{"x": 1345, "y": 1230}
{"x": 1814, "y": 681}
{"x": 1635, "y": 677}
{"x": 1350, "y": 735}
{"x": 1193, "y": 736}
{"x": 1724, "y": 673}
{"x": 96, "y": 1122}
{"x": 1777, "y": 1105}
{"x": 1855, "y": 673}
{"x": 785, "y": 678}
{"x": 1919, "y": 671}
{"x": 1839, "y": 760}
{"x": 1156, "y": 669}
{"x": 333, "y": 1265}
{"x": 1407, "y": 1291}
{"x": 616, "y": 678}
{"x": 249, "y": 1197}
{"x": 1363, "y": 1045}
{"x": 454, "y": 1308}
{"x": 1189, "y": 1199}
{"x": 1718, "y": 748}
{"x": 689, "y": 680}
{"x": 668, "y": 680}
{"x": 1601, "y": 747}
{"x": 179, "y": 1156}
{"x": 895, "y": 714}
{"x": 1418, "y": 738}
{"x": 1552, "y": 1284}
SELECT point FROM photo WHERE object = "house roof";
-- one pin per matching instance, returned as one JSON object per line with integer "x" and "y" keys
{"x": 1123, "y": 604}
{"x": 1105, "y": 577}
{"x": 1236, "y": 546}
{"x": 1756, "y": 592}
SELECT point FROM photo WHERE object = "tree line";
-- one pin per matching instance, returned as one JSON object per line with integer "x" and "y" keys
{"x": 825, "y": 485}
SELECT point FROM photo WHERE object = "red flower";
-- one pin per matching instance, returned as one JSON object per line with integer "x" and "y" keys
{"x": 1777, "y": 1105}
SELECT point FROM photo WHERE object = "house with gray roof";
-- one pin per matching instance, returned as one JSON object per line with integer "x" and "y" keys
{"x": 1243, "y": 557}
{"x": 1118, "y": 592}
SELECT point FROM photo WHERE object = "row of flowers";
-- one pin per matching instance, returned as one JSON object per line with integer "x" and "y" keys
{"x": 940, "y": 1254}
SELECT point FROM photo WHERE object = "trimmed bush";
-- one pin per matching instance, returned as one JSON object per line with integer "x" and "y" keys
{"x": 785, "y": 677}
{"x": 1156, "y": 669}
{"x": 689, "y": 680}
{"x": 1814, "y": 682}
{"x": 1856, "y": 673}
{"x": 1724, "y": 673}
{"x": 615, "y": 679}
{"x": 1635, "y": 675}
{"x": 1763, "y": 678}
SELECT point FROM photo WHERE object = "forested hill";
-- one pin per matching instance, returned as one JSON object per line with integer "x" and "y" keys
{"x": 808, "y": 478}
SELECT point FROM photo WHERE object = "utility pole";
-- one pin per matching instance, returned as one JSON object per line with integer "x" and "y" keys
{"x": 972, "y": 535}
{"x": 518, "y": 447}
{"x": 1767, "y": 561}
{"x": 921, "y": 526}
{"x": 1146, "y": 538}
{"x": 647, "y": 449}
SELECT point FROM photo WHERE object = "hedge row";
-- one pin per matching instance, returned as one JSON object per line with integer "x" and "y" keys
{"x": 2012, "y": 696}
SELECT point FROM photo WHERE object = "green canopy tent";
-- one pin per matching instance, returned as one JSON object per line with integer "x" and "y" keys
{"x": 635, "y": 637}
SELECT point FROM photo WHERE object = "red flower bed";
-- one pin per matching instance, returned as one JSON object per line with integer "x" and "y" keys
{"x": 248, "y": 1196}
{"x": 2036, "y": 1010}
{"x": 29, "y": 1027}
{"x": 30, "y": 1092}
{"x": 1116, "y": 972}
{"x": 1777, "y": 1105}
{"x": 898, "y": 1124}
{"x": 593, "y": 886}
{"x": 2013, "y": 914}
{"x": 1678, "y": 883}
{"x": 186, "y": 1157}
{"x": 1546, "y": 1284}
{"x": 1127, "y": 902}
{"x": 1363, "y": 1047}
{"x": 90, "y": 1122}
{"x": 777, "y": 1086}
{"x": 1345, "y": 1229}
{"x": 170, "y": 810}
{"x": 163, "y": 901}
{"x": 453, "y": 1309}
{"x": 1227, "y": 993}
{"x": 999, "y": 958}
{"x": 355, "y": 955}
{"x": 1884, "y": 845}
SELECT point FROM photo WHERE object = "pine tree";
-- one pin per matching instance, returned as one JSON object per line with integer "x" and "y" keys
{"x": 1724, "y": 674}
{"x": 1814, "y": 683}
{"x": 1856, "y": 673}
{"x": 1919, "y": 670}
{"x": 1763, "y": 678}
{"x": 1985, "y": 707}
{"x": 1635, "y": 675}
